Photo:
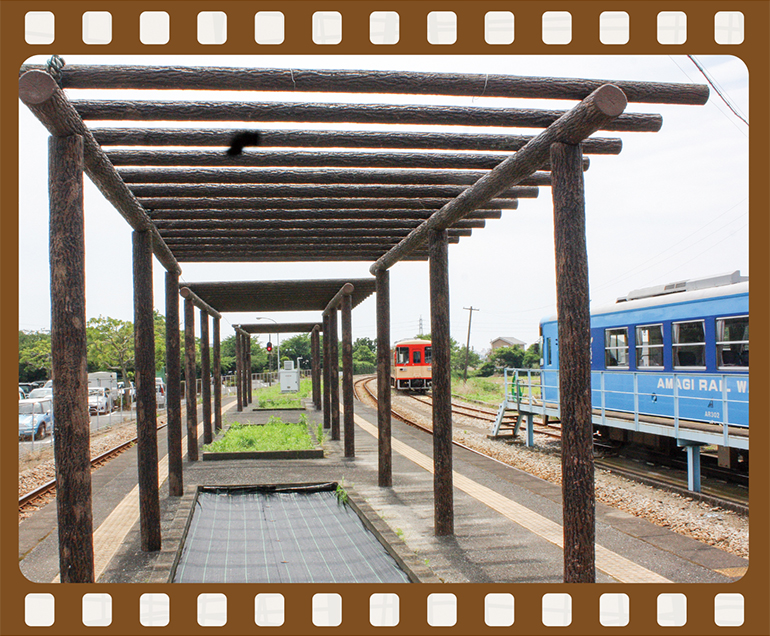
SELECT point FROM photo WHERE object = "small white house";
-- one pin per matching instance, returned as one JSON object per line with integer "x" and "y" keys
{"x": 506, "y": 341}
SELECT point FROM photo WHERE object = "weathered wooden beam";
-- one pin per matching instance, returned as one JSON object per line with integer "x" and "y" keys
{"x": 214, "y": 214}
{"x": 132, "y": 175}
{"x": 574, "y": 365}
{"x": 384, "y": 450}
{"x": 217, "y": 363}
{"x": 260, "y": 255}
{"x": 604, "y": 104}
{"x": 443, "y": 496}
{"x": 312, "y": 159}
{"x": 315, "y": 346}
{"x": 251, "y": 242}
{"x": 185, "y": 292}
{"x": 369, "y": 81}
{"x": 146, "y": 422}
{"x": 283, "y": 257}
{"x": 348, "y": 426}
{"x": 327, "y": 394}
{"x": 286, "y": 327}
{"x": 40, "y": 93}
{"x": 190, "y": 391}
{"x": 309, "y": 234}
{"x": 173, "y": 387}
{"x": 297, "y": 190}
{"x": 334, "y": 374}
{"x": 280, "y": 224}
{"x": 206, "y": 377}
{"x": 127, "y": 110}
{"x": 299, "y": 138}
{"x": 68, "y": 359}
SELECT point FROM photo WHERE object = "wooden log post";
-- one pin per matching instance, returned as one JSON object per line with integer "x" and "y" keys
{"x": 574, "y": 364}
{"x": 173, "y": 387}
{"x": 442, "y": 384}
{"x": 326, "y": 377}
{"x": 315, "y": 346}
{"x": 217, "y": 368}
{"x": 206, "y": 378}
{"x": 334, "y": 375}
{"x": 238, "y": 371}
{"x": 68, "y": 353}
{"x": 347, "y": 375}
{"x": 146, "y": 423}
{"x": 191, "y": 401}
{"x": 384, "y": 450}
{"x": 249, "y": 378}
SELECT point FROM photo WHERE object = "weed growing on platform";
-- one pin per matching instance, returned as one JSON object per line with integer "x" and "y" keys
{"x": 341, "y": 493}
{"x": 270, "y": 397}
{"x": 273, "y": 436}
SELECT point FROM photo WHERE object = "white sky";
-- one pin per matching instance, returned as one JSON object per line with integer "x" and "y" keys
{"x": 672, "y": 205}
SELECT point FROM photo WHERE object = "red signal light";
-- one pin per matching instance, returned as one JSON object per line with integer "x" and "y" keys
{"x": 269, "y": 347}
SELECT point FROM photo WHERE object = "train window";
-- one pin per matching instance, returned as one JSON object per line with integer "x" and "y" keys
{"x": 428, "y": 355}
{"x": 402, "y": 355}
{"x": 689, "y": 344}
{"x": 733, "y": 342}
{"x": 649, "y": 346}
{"x": 416, "y": 357}
{"x": 616, "y": 347}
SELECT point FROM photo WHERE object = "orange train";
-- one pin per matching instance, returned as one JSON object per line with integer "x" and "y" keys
{"x": 410, "y": 365}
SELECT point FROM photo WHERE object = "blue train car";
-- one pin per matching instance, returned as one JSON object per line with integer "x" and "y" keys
{"x": 677, "y": 351}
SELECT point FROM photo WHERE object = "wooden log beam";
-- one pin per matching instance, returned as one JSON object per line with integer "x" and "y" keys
{"x": 246, "y": 203}
{"x": 334, "y": 303}
{"x": 574, "y": 365}
{"x": 299, "y": 138}
{"x": 190, "y": 391}
{"x": 384, "y": 450}
{"x": 327, "y": 394}
{"x": 286, "y": 327}
{"x": 133, "y": 175}
{"x": 217, "y": 364}
{"x": 185, "y": 292}
{"x": 68, "y": 359}
{"x": 205, "y": 377}
{"x": 315, "y": 346}
{"x": 217, "y": 256}
{"x": 312, "y": 159}
{"x": 262, "y": 255}
{"x": 443, "y": 496}
{"x": 40, "y": 93}
{"x": 146, "y": 423}
{"x": 366, "y": 81}
{"x": 291, "y": 190}
{"x": 334, "y": 374}
{"x": 173, "y": 387}
{"x": 604, "y": 104}
{"x": 280, "y": 224}
{"x": 127, "y": 110}
{"x": 348, "y": 427}
{"x": 311, "y": 214}
{"x": 355, "y": 243}
{"x": 307, "y": 234}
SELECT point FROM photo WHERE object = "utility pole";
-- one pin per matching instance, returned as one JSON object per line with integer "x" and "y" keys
{"x": 468, "y": 342}
{"x": 420, "y": 325}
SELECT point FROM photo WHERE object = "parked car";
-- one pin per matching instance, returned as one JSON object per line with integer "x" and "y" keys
{"x": 27, "y": 387}
{"x": 22, "y": 395}
{"x": 41, "y": 393}
{"x": 35, "y": 418}
{"x": 160, "y": 394}
{"x": 99, "y": 400}
{"x": 131, "y": 390}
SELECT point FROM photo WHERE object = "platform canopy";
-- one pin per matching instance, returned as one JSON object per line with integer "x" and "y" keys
{"x": 220, "y": 180}
{"x": 279, "y": 295}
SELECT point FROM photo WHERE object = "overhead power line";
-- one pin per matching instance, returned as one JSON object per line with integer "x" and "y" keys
{"x": 716, "y": 88}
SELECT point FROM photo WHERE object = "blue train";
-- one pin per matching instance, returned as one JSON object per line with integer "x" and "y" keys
{"x": 676, "y": 354}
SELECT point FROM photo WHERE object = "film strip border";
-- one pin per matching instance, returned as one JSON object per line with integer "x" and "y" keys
{"x": 441, "y": 28}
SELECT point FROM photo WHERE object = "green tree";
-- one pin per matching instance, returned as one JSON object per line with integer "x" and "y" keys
{"x": 296, "y": 346}
{"x": 365, "y": 350}
{"x": 532, "y": 356}
{"x": 508, "y": 357}
{"x": 34, "y": 355}
{"x": 111, "y": 344}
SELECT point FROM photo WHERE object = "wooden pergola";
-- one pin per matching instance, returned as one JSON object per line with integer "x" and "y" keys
{"x": 315, "y": 196}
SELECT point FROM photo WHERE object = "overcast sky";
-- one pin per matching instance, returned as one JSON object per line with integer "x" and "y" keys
{"x": 673, "y": 205}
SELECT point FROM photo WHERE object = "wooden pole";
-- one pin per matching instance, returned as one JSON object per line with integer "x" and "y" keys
{"x": 189, "y": 380}
{"x": 384, "y": 451}
{"x": 206, "y": 378}
{"x": 146, "y": 424}
{"x": 173, "y": 387}
{"x": 442, "y": 385}
{"x": 239, "y": 370}
{"x": 334, "y": 374}
{"x": 468, "y": 341}
{"x": 68, "y": 353}
{"x": 217, "y": 364}
{"x": 249, "y": 379}
{"x": 347, "y": 375}
{"x": 326, "y": 376}
{"x": 316, "y": 366}
{"x": 574, "y": 365}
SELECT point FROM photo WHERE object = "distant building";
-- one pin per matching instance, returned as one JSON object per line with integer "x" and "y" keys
{"x": 506, "y": 341}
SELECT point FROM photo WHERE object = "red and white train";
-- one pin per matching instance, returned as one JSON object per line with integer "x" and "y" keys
{"x": 410, "y": 365}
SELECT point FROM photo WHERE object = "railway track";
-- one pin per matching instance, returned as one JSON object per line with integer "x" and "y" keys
{"x": 669, "y": 483}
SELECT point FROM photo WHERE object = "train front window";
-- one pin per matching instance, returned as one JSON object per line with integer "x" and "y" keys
{"x": 428, "y": 355}
{"x": 616, "y": 347}
{"x": 733, "y": 342}
{"x": 416, "y": 357}
{"x": 689, "y": 344}
{"x": 649, "y": 346}
{"x": 402, "y": 355}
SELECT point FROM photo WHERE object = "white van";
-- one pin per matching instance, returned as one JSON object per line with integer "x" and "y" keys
{"x": 107, "y": 380}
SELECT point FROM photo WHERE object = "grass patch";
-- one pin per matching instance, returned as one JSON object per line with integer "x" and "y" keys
{"x": 270, "y": 397}
{"x": 276, "y": 435}
{"x": 489, "y": 390}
